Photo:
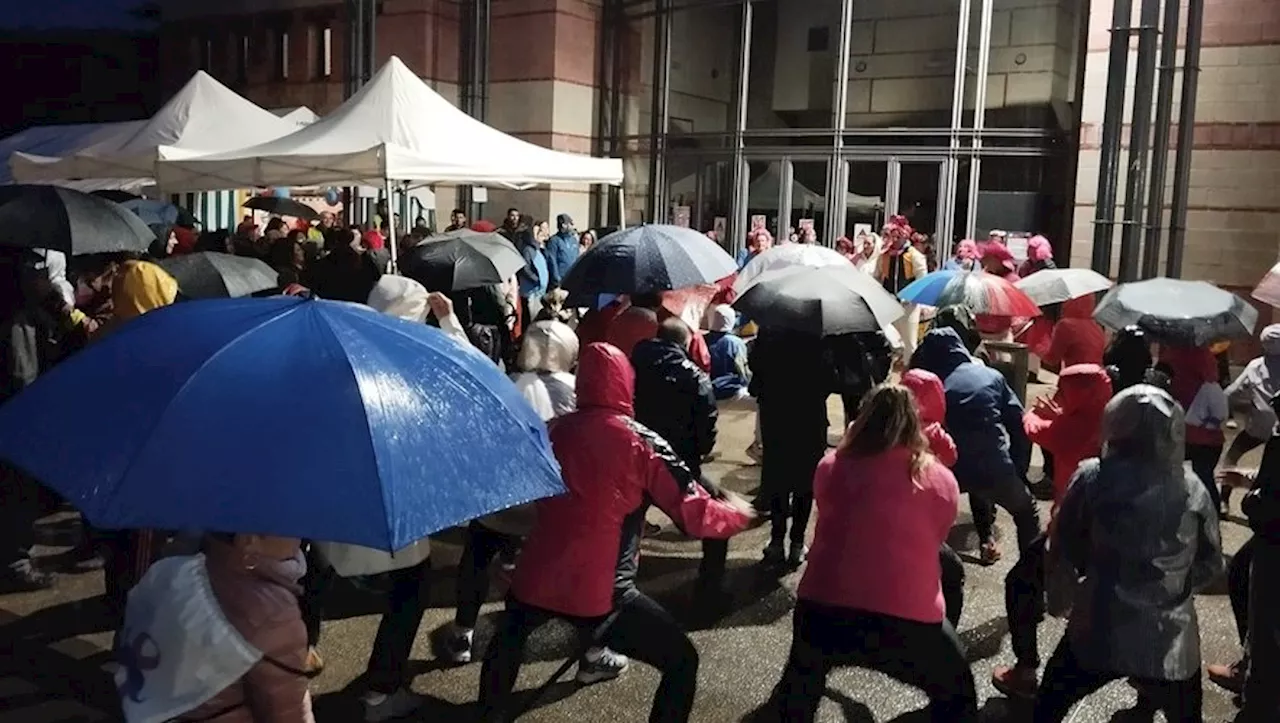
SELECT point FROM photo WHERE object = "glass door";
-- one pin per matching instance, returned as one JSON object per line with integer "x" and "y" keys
{"x": 917, "y": 197}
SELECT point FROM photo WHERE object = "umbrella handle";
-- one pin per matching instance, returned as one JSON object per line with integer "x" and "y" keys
{"x": 597, "y": 635}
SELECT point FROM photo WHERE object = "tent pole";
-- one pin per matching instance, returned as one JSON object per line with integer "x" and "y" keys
{"x": 622, "y": 209}
{"x": 391, "y": 225}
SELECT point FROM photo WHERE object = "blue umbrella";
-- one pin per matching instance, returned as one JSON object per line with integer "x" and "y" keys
{"x": 649, "y": 258}
{"x": 315, "y": 419}
{"x": 159, "y": 213}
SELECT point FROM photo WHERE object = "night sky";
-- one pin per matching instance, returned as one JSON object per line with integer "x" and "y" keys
{"x": 68, "y": 13}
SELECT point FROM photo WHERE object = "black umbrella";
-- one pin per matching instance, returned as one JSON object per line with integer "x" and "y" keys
{"x": 282, "y": 207}
{"x": 1193, "y": 313}
{"x": 75, "y": 223}
{"x": 117, "y": 196}
{"x": 211, "y": 275}
{"x": 461, "y": 260}
{"x": 649, "y": 258}
{"x": 823, "y": 301}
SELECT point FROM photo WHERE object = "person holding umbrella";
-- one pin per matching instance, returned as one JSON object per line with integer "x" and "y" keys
{"x": 579, "y": 564}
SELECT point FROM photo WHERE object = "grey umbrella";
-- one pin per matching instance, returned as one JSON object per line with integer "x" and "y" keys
{"x": 1054, "y": 286}
{"x": 211, "y": 275}
{"x": 823, "y": 301}
{"x": 1182, "y": 312}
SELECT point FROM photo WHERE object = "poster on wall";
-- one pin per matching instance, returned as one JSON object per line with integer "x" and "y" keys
{"x": 1017, "y": 245}
{"x": 806, "y": 228}
{"x": 721, "y": 227}
{"x": 680, "y": 216}
{"x": 860, "y": 229}
{"x": 759, "y": 222}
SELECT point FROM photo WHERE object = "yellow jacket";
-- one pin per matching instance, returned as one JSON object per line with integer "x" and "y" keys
{"x": 139, "y": 287}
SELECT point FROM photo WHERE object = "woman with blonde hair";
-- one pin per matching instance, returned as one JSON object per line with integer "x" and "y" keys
{"x": 872, "y": 594}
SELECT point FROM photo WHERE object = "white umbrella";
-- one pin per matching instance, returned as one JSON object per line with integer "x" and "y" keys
{"x": 1054, "y": 286}
{"x": 786, "y": 256}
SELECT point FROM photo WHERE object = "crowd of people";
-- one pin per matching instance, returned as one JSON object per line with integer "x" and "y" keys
{"x": 630, "y": 394}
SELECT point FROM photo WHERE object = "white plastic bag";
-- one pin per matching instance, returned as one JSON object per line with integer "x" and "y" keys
{"x": 1209, "y": 409}
{"x": 177, "y": 649}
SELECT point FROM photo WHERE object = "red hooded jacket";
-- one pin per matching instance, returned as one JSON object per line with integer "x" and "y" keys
{"x": 636, "y": 324}
{"x": 1069, "y": 425}
{"x": 586, "y": 544}
{"x": 1077, "y": 338}
{"x": 1193, "y": 367}
{"x": 931, "y": 403}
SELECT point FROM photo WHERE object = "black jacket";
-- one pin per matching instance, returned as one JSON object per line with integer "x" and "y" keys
{"x": 1262, "y": 504}
{"x": 675, "y": 399}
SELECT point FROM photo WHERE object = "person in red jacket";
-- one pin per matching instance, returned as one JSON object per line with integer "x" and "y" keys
{"x": 1076, "y": 338}
{"x": 579, "y": 563}
{"x": 1069, "y": 427}
{"x": 640, "y": 321}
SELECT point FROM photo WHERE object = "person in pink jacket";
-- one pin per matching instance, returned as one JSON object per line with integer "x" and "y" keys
{"x": 931, "y": 405}
{"x": 580, "y": 561}
{"x": 871, "y": 595}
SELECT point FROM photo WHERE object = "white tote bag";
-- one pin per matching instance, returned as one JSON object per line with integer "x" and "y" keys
{"x": 177, "y": 649}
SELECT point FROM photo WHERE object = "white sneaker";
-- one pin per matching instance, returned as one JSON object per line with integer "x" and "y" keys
{"x": 600, "y": 664}
{"x": 380, "y": 707}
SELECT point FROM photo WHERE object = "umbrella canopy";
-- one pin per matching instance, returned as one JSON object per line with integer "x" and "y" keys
{"x": 786, "y": 256}
{"x": 283, "y": 416}
{"x": 1193, "y": 313}
{"x": 461, "y": 260}
{"x": 1054, "y": 286}
{"x": 1268, "y": 290}
{"x": 647, "y": 259}
{"x": 983, "y": 293}
{"x": 282, "y": 207}
{"x": 159, "y": 213}
{"x": 75, "y": 223}
{"x": 823, "y": 301}
{"x": 213, "y": 275}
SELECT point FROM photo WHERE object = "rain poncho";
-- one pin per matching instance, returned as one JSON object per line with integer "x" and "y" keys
{"x": 139, "y": 287}
{"x": 1077, "y": 338}
{"x": 1143, "y": 532}
{"x": 1257, "y": 384}
{"x": 406, "y": 299}
{"x": 931, "y": 404}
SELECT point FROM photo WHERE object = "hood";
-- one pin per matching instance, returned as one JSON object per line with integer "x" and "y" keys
{"x": 400, "y": 297}
{"x": 1144, "y": 423}
{"x": 940, "y": 352}
{"x": 1078, "y": 308}
{"x": 55, "y": 267}
{"x": 139, "y": 287}
{"x": 1083, "y": 387}
{"x": 1270, "y": 339}
{"x": 967, "y": 250}
{"x": 548, "y": 346}
{"x": 606, "y": 380}
{"x": 1191, "y": 368}
{"x": 1039, "y": 249}
{"x": 723, "y": 318}
{"x": 931, "y": 400}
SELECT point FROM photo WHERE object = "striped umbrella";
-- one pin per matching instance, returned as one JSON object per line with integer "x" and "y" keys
{"x": 983, "y": 293}
{"x": 648, "y": 259}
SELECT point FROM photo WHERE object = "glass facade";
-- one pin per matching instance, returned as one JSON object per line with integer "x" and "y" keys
{"x": 833, "y": 114}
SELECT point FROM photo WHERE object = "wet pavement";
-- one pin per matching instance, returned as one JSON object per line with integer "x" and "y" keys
{"x": 54, "y": 664}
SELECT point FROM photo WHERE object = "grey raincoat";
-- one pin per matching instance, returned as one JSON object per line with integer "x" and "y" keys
{"x": 1143, "y": 532}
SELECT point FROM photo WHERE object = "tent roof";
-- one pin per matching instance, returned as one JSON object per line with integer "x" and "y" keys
{"x": 66, "y": 139}
{"x": 300, "y": 115}
{"x": 204, "y": 117}
{"x": 395, "y": 128}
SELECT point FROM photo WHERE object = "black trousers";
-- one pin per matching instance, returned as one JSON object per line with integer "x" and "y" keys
{"x": 1024, "y": 602}
{"x": 388, "y": 668}
{"x": 19, "y": 510}
{"x": 1238, "y": 574}
{"x": 952, "y": 583}
{"x": 1204, "y": 461}
{"x": 1066, "y": 683}
{"x": 483, "y": 544}
{"x": 1262, "y": 683}
{"x": 642, "y": 629}
{"x": 926, "y": 656}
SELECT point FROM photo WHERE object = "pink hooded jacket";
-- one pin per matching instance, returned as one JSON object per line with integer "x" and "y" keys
{"x": 931, "y": 403}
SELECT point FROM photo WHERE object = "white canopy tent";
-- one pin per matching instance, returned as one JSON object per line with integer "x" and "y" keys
{"x": 301, "y": 116}
{"x": 204, "y": 117}
{"x": 396, "y": 129}
{"x": 764, "y": 192}
{"x": 66, "y": 139}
